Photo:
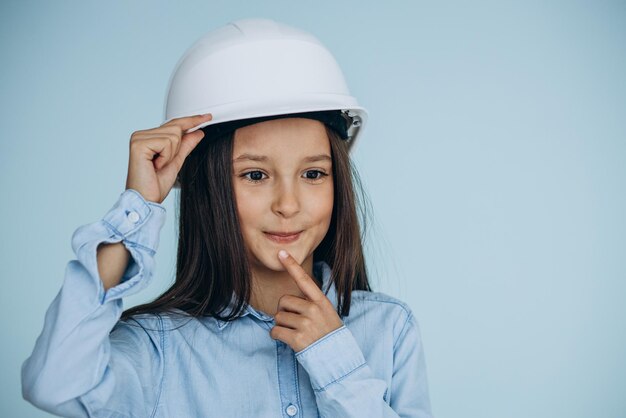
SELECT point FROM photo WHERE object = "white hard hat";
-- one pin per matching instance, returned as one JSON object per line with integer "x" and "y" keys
{"x": 254, "y": 68}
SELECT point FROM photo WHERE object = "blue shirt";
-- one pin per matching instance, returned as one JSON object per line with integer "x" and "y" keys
{"x": 88, "y": 363}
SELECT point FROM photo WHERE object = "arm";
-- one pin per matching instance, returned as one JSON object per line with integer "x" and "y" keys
{"x": 77, "y": 365}
{"x": 345, "y": 385}
{"x": 112, "y": 263}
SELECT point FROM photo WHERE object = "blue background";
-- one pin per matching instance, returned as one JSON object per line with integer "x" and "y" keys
{"x": 494, "y": 158}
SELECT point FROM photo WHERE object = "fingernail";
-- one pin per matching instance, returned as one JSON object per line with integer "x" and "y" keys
{"x": 282, "y": 254}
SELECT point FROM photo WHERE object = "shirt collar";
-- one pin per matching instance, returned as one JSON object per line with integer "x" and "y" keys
{"x": 320, "y": 269}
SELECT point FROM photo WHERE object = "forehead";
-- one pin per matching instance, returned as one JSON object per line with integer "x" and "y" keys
{"x": 292, "y": 135}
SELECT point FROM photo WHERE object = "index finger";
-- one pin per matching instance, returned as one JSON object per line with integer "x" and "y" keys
{"x": 188, "y": 122}
{"x": 302, "y": 279}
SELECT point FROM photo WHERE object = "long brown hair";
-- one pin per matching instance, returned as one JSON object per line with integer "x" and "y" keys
{"x": 209, "y": 265}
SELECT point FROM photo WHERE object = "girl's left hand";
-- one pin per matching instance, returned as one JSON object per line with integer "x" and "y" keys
{"x": 300, "y": 322}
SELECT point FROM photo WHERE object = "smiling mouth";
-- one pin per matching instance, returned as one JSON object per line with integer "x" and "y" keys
{"x": 282, "y": 237}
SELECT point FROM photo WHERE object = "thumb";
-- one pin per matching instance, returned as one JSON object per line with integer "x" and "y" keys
{"x": 188, "y": 143}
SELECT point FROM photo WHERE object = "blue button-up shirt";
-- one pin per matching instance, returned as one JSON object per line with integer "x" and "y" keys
{"x": 88, "y": 363}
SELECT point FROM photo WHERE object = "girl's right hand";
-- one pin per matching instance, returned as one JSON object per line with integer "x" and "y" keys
{"x": 155, "y": 177}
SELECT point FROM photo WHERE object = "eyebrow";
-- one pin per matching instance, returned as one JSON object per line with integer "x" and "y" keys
{"x": 263, "y": 158}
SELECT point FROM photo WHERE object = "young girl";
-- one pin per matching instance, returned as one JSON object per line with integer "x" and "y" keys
{"x": 271, "y": 313}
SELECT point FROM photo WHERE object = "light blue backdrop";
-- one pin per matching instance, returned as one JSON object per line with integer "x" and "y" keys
{"x": 494, "y": 158}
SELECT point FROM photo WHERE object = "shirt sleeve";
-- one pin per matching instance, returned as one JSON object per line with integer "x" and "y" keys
{"x": 79, "y": 367}
{"x": 345, "y": 385}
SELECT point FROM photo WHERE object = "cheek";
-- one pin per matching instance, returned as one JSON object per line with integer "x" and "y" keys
{"x": 249, "y": 206}
{"x": 321, "y": 206}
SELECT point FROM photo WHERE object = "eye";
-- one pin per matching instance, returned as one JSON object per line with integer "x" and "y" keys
{"x": 254, "y": 176}
{"x": 314, "y": 174}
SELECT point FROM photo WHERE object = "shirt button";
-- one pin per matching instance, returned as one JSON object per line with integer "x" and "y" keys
{"x": 133, "y": 217}
{"x": 292, "y": 410}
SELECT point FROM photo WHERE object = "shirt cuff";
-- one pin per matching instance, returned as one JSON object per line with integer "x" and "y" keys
{"x": 137, "y": 223}
{"x": 331, "y": 358}
{"x": 130, "y": 213}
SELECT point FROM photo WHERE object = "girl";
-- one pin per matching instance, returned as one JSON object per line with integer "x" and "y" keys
{"x": 271, "y": 313}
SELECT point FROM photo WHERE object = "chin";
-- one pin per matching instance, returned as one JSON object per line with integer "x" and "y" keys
{"x": 270, "y": 264}
{"x": 270, "y": 260}
{"x": 266, "y": 261}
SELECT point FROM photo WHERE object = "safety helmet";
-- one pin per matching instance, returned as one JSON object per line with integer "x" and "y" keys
{"x": 253, "y": 68}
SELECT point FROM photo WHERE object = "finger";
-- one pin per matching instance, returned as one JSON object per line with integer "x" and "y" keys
{"x": 293, "y": 303}
{"x": 175, "y": 141}
{"x": 302, "y": 279}
{"x": 162, "y": 158}
{"x": 288, "y": 319}
{"x": 283, "y": 334}
{"x": 149, "y": 148}
{"x": 187, "y": 144}
{"x": 189, "y": 122}
{"x": 174, "y": 137}
{"x": 189, "y": 141}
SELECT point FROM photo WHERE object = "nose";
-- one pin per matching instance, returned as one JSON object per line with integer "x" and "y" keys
{"x": 286, "y": 203}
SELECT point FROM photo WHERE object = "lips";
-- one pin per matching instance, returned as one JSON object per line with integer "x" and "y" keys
{"x": 282, "y": 237}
